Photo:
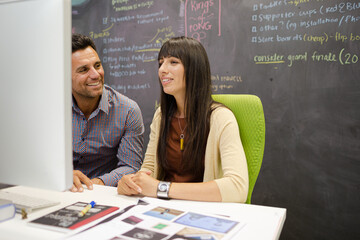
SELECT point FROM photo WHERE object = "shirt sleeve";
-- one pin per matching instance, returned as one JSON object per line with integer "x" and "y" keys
{"x": 130, "y": 151}
{"x": 151, "y": 154}
{"x": 234, "y": 183}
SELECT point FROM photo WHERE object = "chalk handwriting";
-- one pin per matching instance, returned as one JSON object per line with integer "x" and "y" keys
{"x": 202, "y": 17}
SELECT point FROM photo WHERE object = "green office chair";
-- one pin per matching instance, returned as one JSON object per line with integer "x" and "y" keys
{"x": 249, "y": 114}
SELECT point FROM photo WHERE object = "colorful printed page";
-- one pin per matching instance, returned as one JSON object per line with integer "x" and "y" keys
{"x": 159, "y": 221}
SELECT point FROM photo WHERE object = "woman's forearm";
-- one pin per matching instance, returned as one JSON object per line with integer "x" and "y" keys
{"x": 205, "y": 191}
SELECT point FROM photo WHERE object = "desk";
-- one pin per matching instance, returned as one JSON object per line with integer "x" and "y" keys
{"x": 262, "y": 222}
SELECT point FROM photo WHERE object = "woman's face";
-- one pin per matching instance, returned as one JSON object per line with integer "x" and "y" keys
{"x": 172, "y": 77}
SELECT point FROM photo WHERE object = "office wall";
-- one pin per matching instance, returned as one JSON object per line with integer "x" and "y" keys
{"x": 300, "y": 57}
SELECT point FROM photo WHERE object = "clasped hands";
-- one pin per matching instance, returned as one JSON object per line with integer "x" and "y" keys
{"x": 138, "y": 183}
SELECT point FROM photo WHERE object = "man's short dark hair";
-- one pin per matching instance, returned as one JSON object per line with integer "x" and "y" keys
{"x": 80, "y": 42}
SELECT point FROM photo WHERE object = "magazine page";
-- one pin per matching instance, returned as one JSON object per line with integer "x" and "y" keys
{"x": 67, "y": 219}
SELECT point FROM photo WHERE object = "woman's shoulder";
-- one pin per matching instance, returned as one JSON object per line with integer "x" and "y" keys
{"x": 221, "y": 116}
{"x": 221, "y": 111}
{"x": 157, "y": 115}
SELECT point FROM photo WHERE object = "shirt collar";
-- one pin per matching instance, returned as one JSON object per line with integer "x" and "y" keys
{"x": 104, "y": 101}
{"x": 103, "y": 104}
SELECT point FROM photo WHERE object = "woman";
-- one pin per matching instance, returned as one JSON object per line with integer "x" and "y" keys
{"x": 195, "y": 151}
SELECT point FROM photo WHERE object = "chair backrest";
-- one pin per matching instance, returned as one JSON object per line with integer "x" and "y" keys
{"x": 249, "y": 114}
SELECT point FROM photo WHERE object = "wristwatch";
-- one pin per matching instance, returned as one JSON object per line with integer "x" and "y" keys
{"x": 163, "y": 190}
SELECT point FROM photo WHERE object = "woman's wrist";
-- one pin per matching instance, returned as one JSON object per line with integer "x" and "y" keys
{"x": 163, "y": 190}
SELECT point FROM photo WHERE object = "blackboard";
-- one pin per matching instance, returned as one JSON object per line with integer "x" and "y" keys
{"x": 300, "y": 57}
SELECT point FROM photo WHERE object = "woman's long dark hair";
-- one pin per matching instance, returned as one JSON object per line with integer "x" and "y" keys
{"x": 198, "y": 104}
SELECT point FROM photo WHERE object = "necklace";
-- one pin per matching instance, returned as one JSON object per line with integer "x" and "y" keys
{"x": 181, "y": 136}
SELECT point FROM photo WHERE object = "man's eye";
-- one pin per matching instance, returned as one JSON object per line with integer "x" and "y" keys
{"x": 98, "y": 65}
{"x": 82, "y": 70}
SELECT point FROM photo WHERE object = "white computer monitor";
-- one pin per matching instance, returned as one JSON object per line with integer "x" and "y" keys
{"x": 35, "y": 93}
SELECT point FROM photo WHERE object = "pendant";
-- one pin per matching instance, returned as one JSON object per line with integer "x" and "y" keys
{"x": 181, "y": 142}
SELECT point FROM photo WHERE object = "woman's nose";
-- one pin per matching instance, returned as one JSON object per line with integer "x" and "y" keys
{"x": 162, "y": 68}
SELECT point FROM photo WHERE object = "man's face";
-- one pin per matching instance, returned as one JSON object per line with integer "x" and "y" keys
{"x": 87, "y": 74}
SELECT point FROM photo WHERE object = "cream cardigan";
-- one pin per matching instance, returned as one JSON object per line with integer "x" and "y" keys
{"x": 225, "y": 160}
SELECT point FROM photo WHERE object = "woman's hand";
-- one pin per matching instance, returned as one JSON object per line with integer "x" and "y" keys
{"x": 147, "y": 183}
{"x": 127, "y": 186}
{"x": 138, "y": 183}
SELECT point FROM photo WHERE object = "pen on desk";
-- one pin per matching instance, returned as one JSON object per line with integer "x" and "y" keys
{"x": 86, "y": 209}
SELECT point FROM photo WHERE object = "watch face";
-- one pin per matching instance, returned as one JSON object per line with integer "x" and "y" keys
{"x": 163, "y": 187}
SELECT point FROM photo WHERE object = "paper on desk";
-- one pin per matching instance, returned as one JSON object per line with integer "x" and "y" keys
{"x": 262, "y": 222}
{"x": 162, "y": 219}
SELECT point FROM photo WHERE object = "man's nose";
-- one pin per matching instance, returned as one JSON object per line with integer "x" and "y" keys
{"x": 93, "y": 73}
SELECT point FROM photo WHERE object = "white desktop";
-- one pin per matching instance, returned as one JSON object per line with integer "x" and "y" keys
{"x": 35, "y": 93}
{"x": 262, "y": 222}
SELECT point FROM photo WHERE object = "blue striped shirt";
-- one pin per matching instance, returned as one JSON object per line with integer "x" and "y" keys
{"x": 110, "y": 143}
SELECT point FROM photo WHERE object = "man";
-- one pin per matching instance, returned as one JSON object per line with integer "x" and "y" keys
{"x": 107, "y": 127}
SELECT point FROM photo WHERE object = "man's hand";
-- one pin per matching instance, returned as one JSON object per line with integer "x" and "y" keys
{"x": 97, "y": 181}
{"x": 78, "y": 179}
